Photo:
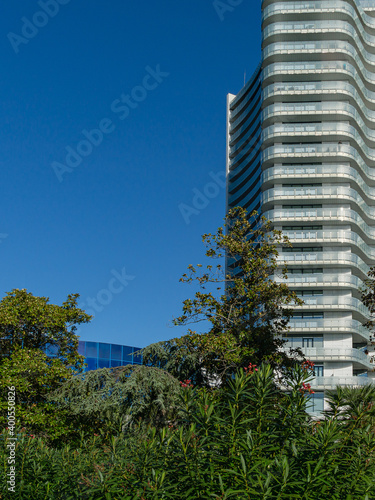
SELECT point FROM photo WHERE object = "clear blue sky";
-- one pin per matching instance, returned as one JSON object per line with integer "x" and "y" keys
{"x": 76, "y": 229}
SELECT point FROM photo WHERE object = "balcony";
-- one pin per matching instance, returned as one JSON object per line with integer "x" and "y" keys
{"x": 325, "y": 259}
{"x": 337, "y": 303}
{"x": 318, "y": 173}
{"x": 338, "y": 354}
{"x": 330, "y": 383}
{"x": 311, "y": 326}
{"x": 327, "y": 90}
{"x": 323, "y": 280}
{"x": 335, "y": 237}
{"x": 304, "y": 71}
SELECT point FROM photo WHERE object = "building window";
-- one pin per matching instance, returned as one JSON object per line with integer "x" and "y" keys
{"x": 302, "y": 228}
{"x": 296, "y": 340}
{"x": 319, "y": 371}
{"x": 310, "y": 293}
{"x": 104, "y": 351}
{"x": 308, "y": 315}
{"x": 302, "y": 249}
{"x": 307, "y": 341}
{"x": 300, "y": 207}
{"x": 303, "y": 270}
{"x": 91, "y": 349}
{"x": 316, "y": 403}
{"x": 302, "y": 185}
{"x": 116, "y": 352}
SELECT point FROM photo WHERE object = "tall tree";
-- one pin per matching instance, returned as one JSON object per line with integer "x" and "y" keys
{"x": 368, "y": 297}
{"x": 30, "y": 376}
{"x": 32, "y": 322}
{"x": 247, "y": 320}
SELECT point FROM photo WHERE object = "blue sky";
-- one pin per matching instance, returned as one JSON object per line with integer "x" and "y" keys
{"x": 113, "y": 118}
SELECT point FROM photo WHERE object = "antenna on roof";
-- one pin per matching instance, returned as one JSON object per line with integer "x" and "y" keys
{"x": 244, "y": 78}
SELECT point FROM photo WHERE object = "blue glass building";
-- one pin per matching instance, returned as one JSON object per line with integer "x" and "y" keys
{"x": 101, "y": 355}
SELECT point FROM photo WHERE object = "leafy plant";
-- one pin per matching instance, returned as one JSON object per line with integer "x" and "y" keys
{"x": 32, "y": 323}
{"x": 114, "y": 399}
{"x": 251, "y": 439}
{"x": 247, "y": 321}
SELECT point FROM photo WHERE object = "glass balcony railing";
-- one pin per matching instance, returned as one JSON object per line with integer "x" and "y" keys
{"x": 329, "y": 326}
{"x": 333, "y": 382}
{"x": 324, "y": 47}
{"x": 335, "y": 237}
{"x": 366, "y": 4}
{"x": 323, "y": 131}
{"x": 324, "y": 259}
{"x": 339, "y": 354}
{"x": 359, "y": 133}
{"x": 330, "y": 215}
{"x": 333, "y": 303}
{"x": 329, "y": 108}
{"x": 338, "y": 302}
{"x": 329, "y": 171}
{"x": 336, "y": 6}
{"x": 339, "y": 193}
{"x": 323, "y": 279}
{"x": 315, "y": 151}
{"x": 336, "y": 68}
{"x": 324, "y": 88}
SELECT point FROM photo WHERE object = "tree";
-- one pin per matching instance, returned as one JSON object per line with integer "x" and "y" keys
{"x": 368, "y": 297}
{"x": 109, "y": 398}
{"x": 247, "y": 320}
{"x": 32, "y": 375}
{"x": 32, "y": 322}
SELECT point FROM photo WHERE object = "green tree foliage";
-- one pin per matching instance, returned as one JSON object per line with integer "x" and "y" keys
{"x": 33, "y": 376}
{"x": 114, "y": 399}
{"x": 352, "y": 404}
{"x": 250, "y": 316}
{"x": 368, "y": 297}
{"x": 33, "y": 323}
{"x": 249, "y": 440}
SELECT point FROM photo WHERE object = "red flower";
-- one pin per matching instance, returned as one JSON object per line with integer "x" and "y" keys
{"x": 308, "y": 365}
{"x": 250, "y": 369}
{"x": 186, "y": 383}
{"x": 306, "y": 388}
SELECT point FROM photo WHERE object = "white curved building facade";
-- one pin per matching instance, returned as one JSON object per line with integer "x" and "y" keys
{"x": 301, "y": 150}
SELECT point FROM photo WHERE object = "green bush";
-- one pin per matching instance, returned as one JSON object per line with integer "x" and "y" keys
{"x": 248, "y": 440}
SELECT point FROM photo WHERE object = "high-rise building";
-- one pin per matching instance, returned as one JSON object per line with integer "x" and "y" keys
{"x": 301, "y": 150}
